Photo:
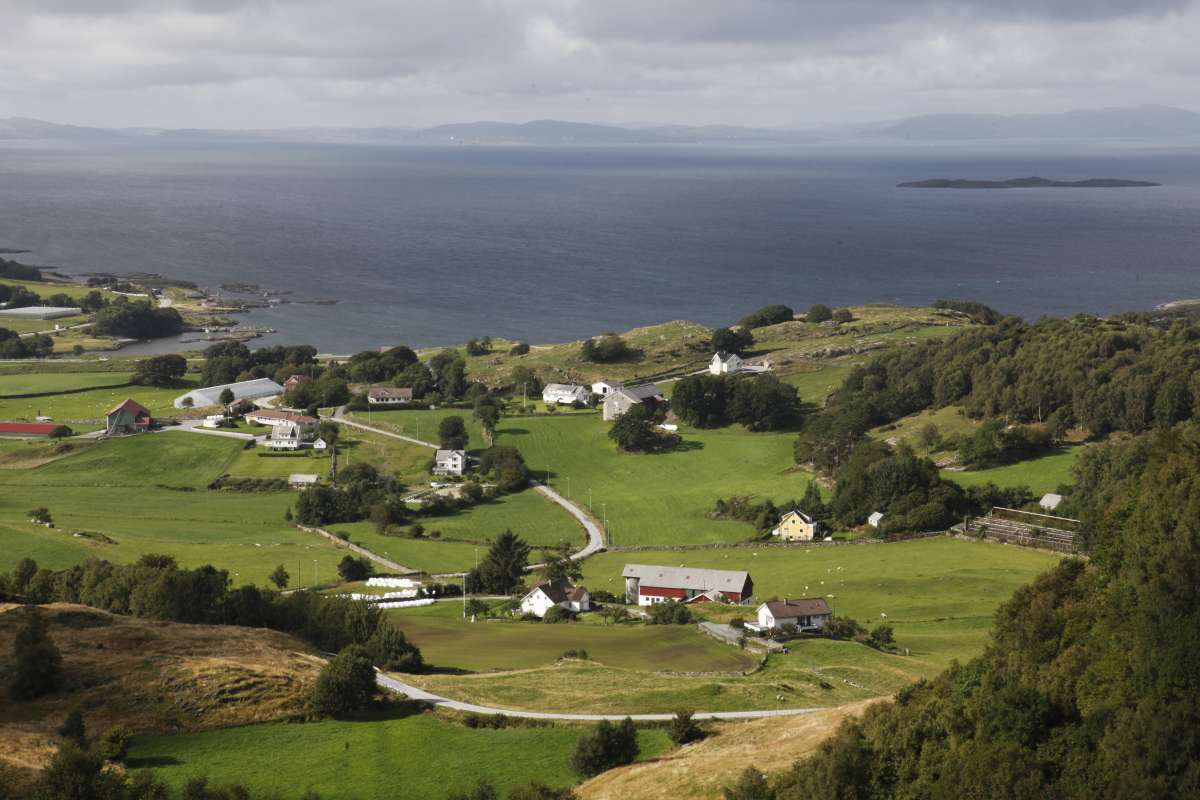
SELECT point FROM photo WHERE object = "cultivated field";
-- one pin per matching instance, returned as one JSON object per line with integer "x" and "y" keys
{"x": 403, "y": 758}
{"x": 85, "y": 410}
{"x": 658, "y": 498}
{"x": 34, "y": 383}
{"x": 143, "y": 494}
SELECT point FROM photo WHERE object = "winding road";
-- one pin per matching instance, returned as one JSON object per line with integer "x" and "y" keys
{"x": 415, "y": 693}
{"x": 595, "y": 534}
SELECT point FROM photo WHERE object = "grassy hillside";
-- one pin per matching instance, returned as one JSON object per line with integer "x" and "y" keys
{"x": 407, "y": 758}
{"x": 110, "y": 500}
{"x": 153, "y": 677}
{"x": 1044, "y": 474}
{"x": 660, "y": 498}
{"x": 701, "y": 770}
{"x": 85, "y": 410}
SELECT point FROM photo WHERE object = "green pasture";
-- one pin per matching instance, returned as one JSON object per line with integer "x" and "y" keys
{"x": 657, "y": 498}
{"x": 950, "y": 421}
{"x": 406, "y": 758}
{"x": 922, "y": 585}
{"x": 814, "y": 386}
{"x": 25, "y": 325}
{"x": 87, "y": 409}
{"x": 33, "y": 383}
{"x": 1041, "y": 475}
{"x": 402, "y": 459}
{"x": 47, "y": 288}
{"x": 536, "y": 519}
{"x": 418, "y": 423}
{"x": 256, "y": 463}
{"x": 448, "y": 641}
{"x": 116, "y": 491}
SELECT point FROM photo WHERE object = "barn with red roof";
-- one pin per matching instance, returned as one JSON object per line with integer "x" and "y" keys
{"x": 128, "y": 417}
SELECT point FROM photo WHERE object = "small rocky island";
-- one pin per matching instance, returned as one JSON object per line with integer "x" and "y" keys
{"x": 1026, "y": 183}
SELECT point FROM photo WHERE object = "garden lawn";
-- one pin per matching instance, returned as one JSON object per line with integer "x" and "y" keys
{"x": 448, "y": 641}
{"x": 255, "y": 463}
{"x": 411, "y": 758}
{"x": 32, "y": 383}
{"x": 404, "y": 460}
{"x": 418, "y": 423}
{"x": 1041, "y": 475}
{"x": 110, "y": 495}
{"x": 658, "y": 498}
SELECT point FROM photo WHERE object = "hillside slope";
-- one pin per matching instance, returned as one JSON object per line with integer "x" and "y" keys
{"x": 701, "y": 770}
{"x": 152, "y": 677}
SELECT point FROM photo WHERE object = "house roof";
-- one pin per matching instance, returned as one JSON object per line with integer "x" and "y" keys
{"x": 802, "y": 607}
{"x": 723, "y": 356}
{"x": 286, "y": 431}
{"x": 638, "y": 393}
{"x": 390, "y": 392}
{"x": 568, "y": 388}
{"x": 805, "y": 518}
{"x": 560, "y": 591}
{"x": 303, "y": 477}
{"x": 1050, "y": 501}
{"x": 297, "y": 379}
{"x": 30, "y": 428}
{"x": 248, "y": 390}
{"x": 442, "y": 455}
{"x": 286, "y": 416}
{"x": 687, "y": 577}
{"x": 875, "y": 517}
{"x": 130, "y": 405}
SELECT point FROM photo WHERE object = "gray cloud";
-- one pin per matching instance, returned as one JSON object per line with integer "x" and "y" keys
{"x": 772, "y": 62}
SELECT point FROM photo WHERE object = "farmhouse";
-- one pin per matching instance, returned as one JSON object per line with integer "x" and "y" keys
{"x": 242, "y": 390}
{"x": 22, "y": 429}
{"x": 566, "y": 393}
{"x": 548, "y": 594}
{"x": 797, "y": 526}
{"x": 295, "y": 381}
{"x": 389, "y": 396}
{"x": 648, "y": 584}
{"x": 723, "y": 363}
{"x": 622, "y": 398}
{"x": 805, "y": 614}
{"x": 300, "y": 480}
{"x": 450, "y": 462}
{"x": 286, "y": 437}
{"x": 307, "y": 424}
{"x": 128, "y": 417}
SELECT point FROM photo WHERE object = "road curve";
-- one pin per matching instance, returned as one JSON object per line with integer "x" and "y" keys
{"x": 595, "y": 535}
{"x": 416, "y": 693}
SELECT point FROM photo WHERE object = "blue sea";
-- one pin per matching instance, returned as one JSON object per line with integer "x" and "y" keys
{"x": 430, "y": 246}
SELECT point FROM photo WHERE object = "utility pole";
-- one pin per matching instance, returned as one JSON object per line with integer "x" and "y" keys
{"x": 314, "y": 573}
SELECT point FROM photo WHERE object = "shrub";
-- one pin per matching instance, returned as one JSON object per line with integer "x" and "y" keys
{"x": 354, "y": 569}
{"x": 73, "y": 728}
{"x": 346, "y": 684}
{"x": 767, "y": 315}
{"x": 390, "y": 649}
{"x": 842, "y": 628}
{"x": 519, "y": 349}
{"x": 580, "y": 654}
{"x": 683, "y": 729}
{"x": 556, "y": 614}
{"x": 737, "y": 623}
{"x": 37, "y": 664}
{"x": 114, "y": 744}
{"x": 842, "y": 315}
{"x": 41, "y": 515}
{"x": 671, "y": 612}
{"x": 604, "y": 747}
{"x": 819, "y": 313}
{"x": 881, "y": 637}
{"x": 606, "y": 349}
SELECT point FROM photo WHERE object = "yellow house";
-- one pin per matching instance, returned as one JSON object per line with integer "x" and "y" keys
{"x": 797, "y": 526}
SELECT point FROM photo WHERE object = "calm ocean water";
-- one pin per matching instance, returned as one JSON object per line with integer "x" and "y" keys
{"x": 429, "y": 246}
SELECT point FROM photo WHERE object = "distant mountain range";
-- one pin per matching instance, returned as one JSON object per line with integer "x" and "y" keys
{"x": 1143, "y": 123}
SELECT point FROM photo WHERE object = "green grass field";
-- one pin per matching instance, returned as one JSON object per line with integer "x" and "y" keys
{"x": 411, "y": 758}
{"x": 110, "y": 488}
{"x": 949, "y": 421}
{"x": 418, "y": 423}
{"x": 1041, "y": 475}
{"x": 659, "y": 498}
{"x": 47, "y": 288}
{"x": 85, "y": 410}
{"x": 447, "y": 641}
{"x": 31, "y": 383}
{"x": 41, "y": 325}
{"x": 405, "y": 461}
{"x": 256, "y": 464}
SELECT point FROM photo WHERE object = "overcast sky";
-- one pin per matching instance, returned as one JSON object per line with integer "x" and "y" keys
{"x": 269, "y": 63}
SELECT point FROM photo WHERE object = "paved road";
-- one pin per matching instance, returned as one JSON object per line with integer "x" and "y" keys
{"x": 595, "y": 535}
{"x": 415, "y": 693}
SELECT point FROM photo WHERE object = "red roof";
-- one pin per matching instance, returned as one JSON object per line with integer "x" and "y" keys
{"x": 130, "y": 405}
{"x": 30, "y": 428}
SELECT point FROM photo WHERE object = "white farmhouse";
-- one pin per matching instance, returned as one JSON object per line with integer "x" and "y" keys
{"x": 285, "y": 437}
{"x": 805, "y": 614}
{"x": 389, "y": 396}
{"x": 450, "y": 462}
{"x": 546, "y": 595}
{"x": 723, "y": 363}
{"x": 566, "y": 394}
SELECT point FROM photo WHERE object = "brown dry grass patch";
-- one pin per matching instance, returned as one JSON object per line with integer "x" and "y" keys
{"x": 152, "y": 677}
{"x": 702, "y": 769}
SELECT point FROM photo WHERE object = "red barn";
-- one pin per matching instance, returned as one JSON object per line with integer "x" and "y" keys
{"x": 128, "y": 417}
{"x": 648, "y": 584}
{"x": 31, "y": 428}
